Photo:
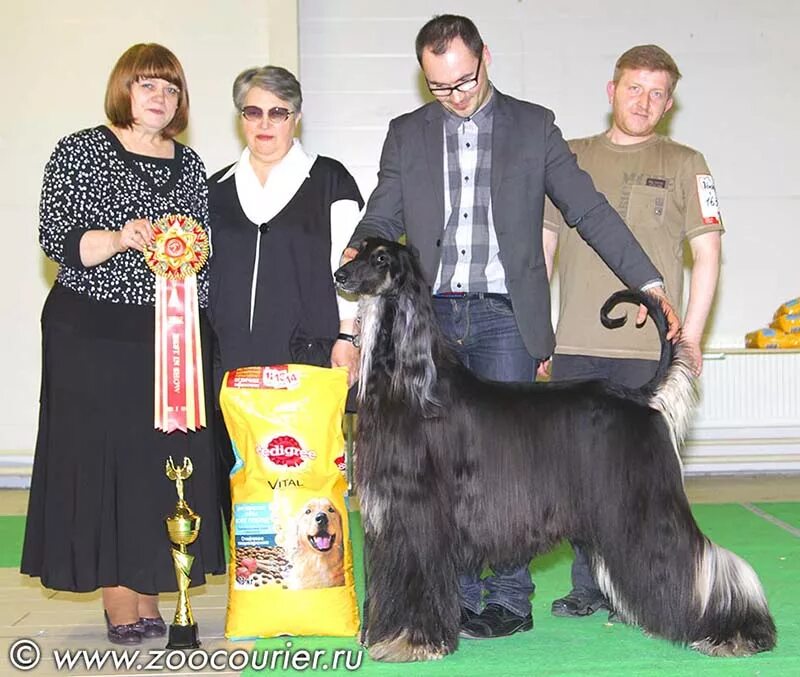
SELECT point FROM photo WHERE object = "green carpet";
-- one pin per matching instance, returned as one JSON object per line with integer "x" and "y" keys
{"x": 786, "y": 512}
{"x": 566, "y": 647}
{"x": 12, "y": 531}
{"x": 591, "y": 646}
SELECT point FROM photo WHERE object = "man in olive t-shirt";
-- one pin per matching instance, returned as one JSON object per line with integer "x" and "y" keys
{"x": 665, "y": 193}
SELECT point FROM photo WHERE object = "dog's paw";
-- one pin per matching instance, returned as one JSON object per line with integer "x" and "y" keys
{"x": 735, "y": 646}
{"x": 401, "y": 650}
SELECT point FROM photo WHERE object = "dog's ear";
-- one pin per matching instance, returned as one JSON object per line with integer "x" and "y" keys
{"x": 413, "y": 251}
{"x": 408, "y": 269}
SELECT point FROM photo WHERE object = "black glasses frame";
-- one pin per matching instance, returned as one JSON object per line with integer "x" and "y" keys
{"x": 466, "y": 86}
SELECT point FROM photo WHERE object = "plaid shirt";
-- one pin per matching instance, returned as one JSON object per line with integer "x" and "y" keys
{"x": 470, "y": 254}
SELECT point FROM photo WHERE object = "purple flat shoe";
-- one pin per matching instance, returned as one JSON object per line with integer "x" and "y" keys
{"x": 152, "y": 627}
{"x": 127, "y": 633}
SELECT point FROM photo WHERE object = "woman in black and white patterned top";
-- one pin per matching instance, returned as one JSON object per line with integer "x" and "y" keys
{"x": 98, "y": 492}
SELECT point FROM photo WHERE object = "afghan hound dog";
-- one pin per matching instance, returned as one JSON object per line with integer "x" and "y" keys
{"x": 454, "y": 472}
{"x": 315, "y": 547}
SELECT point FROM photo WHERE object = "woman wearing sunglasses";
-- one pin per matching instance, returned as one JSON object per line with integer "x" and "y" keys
{"x": 280, "y": 217}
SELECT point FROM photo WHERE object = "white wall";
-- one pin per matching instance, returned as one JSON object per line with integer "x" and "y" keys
{"x": 56, "y": 59}
{"x": 737, "y": 103}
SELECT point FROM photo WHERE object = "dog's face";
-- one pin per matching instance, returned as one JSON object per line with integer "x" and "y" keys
{"x": 379, "y": 266}
{"x": 319, "y": 526}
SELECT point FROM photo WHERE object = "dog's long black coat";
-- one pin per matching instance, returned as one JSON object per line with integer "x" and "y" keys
{"x": 454, "y": 472}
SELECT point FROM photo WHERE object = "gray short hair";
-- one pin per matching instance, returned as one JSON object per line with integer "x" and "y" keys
{"x": 274, "y": 79}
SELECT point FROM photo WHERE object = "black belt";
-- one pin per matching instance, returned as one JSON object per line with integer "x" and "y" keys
{"x": 471, "y": 295}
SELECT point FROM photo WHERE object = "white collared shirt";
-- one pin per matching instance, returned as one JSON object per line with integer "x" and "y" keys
{"x": 262, "y": 203}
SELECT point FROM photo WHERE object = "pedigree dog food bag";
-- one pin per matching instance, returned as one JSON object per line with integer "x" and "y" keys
{"x": 291, "y": 567}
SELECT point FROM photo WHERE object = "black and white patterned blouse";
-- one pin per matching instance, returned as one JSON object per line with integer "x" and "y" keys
{"x": 92, "y": 183}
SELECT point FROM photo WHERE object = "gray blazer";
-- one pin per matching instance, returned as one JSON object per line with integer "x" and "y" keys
{"x": 530, "y": 159}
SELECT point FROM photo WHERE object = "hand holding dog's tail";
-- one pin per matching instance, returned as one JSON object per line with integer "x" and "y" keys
{"x": 672, "y": 317}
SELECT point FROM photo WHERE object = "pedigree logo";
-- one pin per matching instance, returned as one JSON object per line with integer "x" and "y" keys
{"x": 285, "y": 451}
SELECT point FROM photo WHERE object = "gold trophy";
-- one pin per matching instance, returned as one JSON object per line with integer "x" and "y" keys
{"x": 183, "y": 526}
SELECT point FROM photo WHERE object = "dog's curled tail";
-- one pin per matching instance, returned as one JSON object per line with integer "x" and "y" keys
{"x": 734, "y": 618}
{"x": 673, "y": 388}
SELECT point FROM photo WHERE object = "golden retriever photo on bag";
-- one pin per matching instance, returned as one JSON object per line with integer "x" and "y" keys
{"x": 314, "y": 547}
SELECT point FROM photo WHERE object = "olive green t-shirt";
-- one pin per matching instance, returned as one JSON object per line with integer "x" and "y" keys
{"x": 665, "y": 193}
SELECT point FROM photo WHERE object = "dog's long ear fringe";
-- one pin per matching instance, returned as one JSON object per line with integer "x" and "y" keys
{"x": 414, "y": 335}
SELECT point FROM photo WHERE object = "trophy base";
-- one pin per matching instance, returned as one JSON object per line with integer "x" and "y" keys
{"x": 183, "y": 637}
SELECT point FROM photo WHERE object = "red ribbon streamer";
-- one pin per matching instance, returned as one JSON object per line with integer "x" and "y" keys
{"x": 179, "y": 251}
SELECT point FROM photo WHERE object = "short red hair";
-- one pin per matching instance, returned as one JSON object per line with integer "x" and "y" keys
{"x": 146, "y": 60}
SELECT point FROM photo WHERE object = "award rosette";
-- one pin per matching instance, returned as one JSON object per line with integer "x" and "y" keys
{"x": 179, "y": 251}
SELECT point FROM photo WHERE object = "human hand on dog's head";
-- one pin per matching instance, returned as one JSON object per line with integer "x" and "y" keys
{"x": 351, "y": 252}
{"x": 348, "y": 255}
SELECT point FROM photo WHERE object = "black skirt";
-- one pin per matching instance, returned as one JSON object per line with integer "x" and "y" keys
{"x": 99, "y": 494}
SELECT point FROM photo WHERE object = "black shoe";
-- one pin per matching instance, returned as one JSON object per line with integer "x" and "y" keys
{"x": 579, "y": 602}
{"x": 467, "y": 615}
{"x": 127, "y": 633}
{"x": 495, "y": 621}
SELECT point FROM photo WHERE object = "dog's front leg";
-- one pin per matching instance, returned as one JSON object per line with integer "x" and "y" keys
{"x": 411, "y": 611}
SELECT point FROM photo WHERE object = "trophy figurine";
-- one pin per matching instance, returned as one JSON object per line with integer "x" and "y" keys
{"x": 183, "y": 526}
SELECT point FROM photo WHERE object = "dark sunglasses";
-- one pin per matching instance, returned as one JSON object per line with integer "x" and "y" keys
{"x": 275, "y": 115}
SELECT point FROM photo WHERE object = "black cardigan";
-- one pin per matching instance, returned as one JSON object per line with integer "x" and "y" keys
{"x": 294, "y": 286}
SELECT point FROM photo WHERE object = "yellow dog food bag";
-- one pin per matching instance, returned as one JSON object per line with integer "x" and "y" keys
{"x": 291, "y": 566}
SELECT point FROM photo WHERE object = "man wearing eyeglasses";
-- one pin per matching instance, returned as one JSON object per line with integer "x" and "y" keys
{"x": 464, "y": 178}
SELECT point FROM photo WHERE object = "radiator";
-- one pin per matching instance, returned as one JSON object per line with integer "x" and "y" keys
{"x": 748, "y": 420}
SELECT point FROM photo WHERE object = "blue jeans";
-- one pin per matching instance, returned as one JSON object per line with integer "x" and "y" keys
{"x": 484, "y": 334}
{"x": 633, "y": 373}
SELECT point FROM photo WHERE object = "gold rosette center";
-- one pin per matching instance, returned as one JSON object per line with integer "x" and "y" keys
{"x": 180, "y": 248}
